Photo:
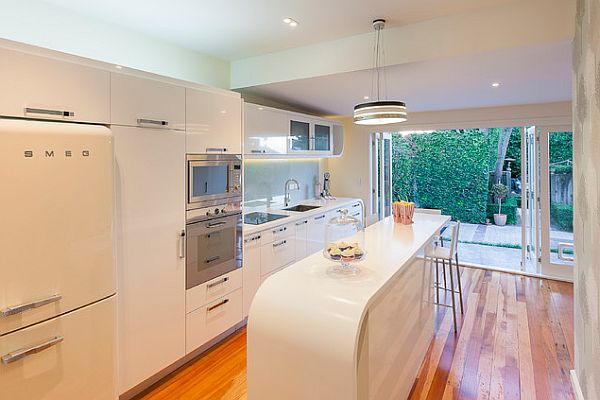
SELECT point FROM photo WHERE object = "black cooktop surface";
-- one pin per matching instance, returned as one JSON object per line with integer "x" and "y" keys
{"x": 257, "y": 218}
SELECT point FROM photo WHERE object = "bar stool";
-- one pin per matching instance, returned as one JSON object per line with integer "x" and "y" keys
{"x": 447, "y": 255}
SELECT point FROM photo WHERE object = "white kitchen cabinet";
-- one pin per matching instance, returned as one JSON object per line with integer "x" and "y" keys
{"x": 46, "y": 88}
{"x": 78, "y": 361}
{"x": 265, "y": 130}
{"x": 145, "y": 102}
{"x": 150, "y": 199}
{"x": 208, "y": 291}
{"x": 213, "y": 122}
{"x": 212, "y": 319}
{"x": 301, "y": 239}
{"x": 316, "y": 233}
{"x": 251, "y": 269}
{"x": 277, "y": 254}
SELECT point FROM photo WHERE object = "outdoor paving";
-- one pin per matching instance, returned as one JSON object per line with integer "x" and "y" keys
{"x": 483, "y": 238}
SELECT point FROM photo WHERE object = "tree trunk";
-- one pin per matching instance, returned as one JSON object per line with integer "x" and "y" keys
{"x": 503, "y": 140}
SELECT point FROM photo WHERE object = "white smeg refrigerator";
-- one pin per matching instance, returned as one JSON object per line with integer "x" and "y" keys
{"x": 57, "y": 274}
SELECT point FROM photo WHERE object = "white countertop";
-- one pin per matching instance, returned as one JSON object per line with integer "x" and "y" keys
{"x": 308, "y": 314}
{"x": 325, "y": 205}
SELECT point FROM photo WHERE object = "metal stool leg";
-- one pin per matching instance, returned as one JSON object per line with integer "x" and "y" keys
{"x": 452, "y": 292}
{"x": 437, "y": 280}
{"x": 460, "y": 296}
{"x": 444, "y": 272}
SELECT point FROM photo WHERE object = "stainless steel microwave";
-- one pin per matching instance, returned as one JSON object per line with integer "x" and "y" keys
{"x": 213, "y": 179}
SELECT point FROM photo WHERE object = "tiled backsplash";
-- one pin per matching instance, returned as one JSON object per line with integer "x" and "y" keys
{"x": 264, "y": 180}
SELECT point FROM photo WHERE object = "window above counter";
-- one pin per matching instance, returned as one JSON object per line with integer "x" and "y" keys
{"x": 275, "y": 133}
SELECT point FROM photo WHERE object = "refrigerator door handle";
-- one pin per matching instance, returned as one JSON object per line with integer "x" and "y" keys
{"x": 22, "y": 353}
{"x": 8, "y": 311}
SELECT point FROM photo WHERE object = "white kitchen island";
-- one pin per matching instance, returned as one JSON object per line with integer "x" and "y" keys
{"x": 315, "y": 335}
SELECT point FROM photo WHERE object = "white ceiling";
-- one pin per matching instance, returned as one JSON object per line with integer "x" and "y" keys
{"x": 235, "y": 29}
{"x": 528, "y": 75}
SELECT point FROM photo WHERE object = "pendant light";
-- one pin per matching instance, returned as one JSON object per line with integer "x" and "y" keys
{"x": 379, "y": 112}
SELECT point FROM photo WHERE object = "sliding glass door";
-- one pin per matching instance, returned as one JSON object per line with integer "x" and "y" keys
{"x": 381, "y": 174}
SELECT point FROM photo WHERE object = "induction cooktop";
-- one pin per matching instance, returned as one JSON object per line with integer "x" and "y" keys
{"x": 257, "y": 218}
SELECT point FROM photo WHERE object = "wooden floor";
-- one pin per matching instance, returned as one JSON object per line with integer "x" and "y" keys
{"x": 515, "y": 341}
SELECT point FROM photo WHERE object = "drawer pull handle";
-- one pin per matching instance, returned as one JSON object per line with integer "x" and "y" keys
{"x": 222, "y": 303}
{"x": 220, "y": 282}
{"x": 280, "y": 243}
{"x": 146, "y": 121}
{"x": 215, "y": 224}
{"x": 258, "y": 151}
{"x": 8, "y": 311}
{"x": 182, "y": 244}
{"x": 212, "y": 259}
{"x": 302, "y": 223}
{"x": 356, "y": 214}
{"x": 22, "y": 353}
{"x": 45, "y": 111}
{"x": 252, "y": 239}
{"x": 216, "y": 149}
{"x": 319, "y": 217}
{"x": 280, "y": 230}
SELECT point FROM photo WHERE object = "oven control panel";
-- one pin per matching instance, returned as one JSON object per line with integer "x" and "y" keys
{"x": 208, "y": 212}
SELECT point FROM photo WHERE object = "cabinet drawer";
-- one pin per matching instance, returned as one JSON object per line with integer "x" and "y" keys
{"x": 148, "y": 103}
{"x": 77, "y": 357}
{"x": 277, "y": 254}
{"x": 212, "y": 319}
{"x": 52, "y": 89}
{"x": 199, "y": 295}
{"x": 277, "y": 233}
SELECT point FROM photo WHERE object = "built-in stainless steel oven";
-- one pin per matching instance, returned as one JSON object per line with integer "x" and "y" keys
{"x": 214, "y": 247}
{"x": 213, "y": 216}
{"x": 213, "y": 178}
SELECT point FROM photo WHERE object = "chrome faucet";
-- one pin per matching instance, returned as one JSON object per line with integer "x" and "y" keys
{"x": 290, "y": 184}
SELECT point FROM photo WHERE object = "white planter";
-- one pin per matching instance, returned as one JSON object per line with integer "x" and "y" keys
{"x": 500, "y": 219}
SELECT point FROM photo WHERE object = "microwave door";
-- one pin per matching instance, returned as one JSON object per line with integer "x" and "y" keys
{"x": 208, "y": 181}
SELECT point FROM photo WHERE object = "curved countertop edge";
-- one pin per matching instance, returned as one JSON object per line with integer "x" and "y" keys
{"x": 293, "y": 216}
{"x": 302, "y": 310}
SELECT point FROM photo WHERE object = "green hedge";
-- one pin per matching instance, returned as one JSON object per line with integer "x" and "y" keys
{"x": 561, "y": 216}
{"x": 444, "y": 169}
{"x": 509, "y": 207}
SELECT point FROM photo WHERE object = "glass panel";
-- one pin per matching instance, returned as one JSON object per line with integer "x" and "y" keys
{"x": 387, "y": 177}
{"x": 560, "y": 146}
{"x": 322, "y": 137}
{"x": 299, "y": 134}
{"x": 209, "y": 180}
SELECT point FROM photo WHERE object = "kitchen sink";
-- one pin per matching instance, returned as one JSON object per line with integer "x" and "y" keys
{"x": 301, "y": 208}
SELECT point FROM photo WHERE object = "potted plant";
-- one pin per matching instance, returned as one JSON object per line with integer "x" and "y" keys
{"x": 499, "y": 191}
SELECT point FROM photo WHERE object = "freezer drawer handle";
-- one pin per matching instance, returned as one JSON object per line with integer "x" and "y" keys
{"x": 146, "y": 121}
{"x": 222, "y": 303}
{"x": 220, "y": 282}
{"x": 45, "y": 111}
{"x": 8, "y": 311}
{"x": 22, "y": 353}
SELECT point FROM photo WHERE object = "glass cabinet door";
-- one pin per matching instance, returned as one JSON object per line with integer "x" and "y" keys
{"x": 322, "y": 137}
{"x": 299, "y": 135}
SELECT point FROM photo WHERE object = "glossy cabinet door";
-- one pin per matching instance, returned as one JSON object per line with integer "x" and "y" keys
{"x": 322, "y": 140}
{"x": 316, "y": 233}
{"x": 277, "y": 254}
{"x": 213, "y": 122}
{"x": 45, "y": 88}
{"x": 77, "y": 357}
{"x": 265, "y": 130}
{"x": 251, "y": 269}
{"x": 300, "y": 135}
{"x": 301, "y": 239}
{"x": 145, "y": 102}
{"x": 150, "y": 202}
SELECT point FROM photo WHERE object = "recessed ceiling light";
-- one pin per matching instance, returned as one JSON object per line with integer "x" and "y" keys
{"x": 366, "y": 97}
{"x": 495, "y": 84}
{"x": 291, "y": 22}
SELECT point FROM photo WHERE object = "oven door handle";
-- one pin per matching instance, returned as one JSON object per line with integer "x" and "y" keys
{"x": 215, "y": 224}
{"x": 212, "y": 259}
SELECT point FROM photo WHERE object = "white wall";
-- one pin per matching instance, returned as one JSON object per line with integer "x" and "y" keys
{"x": 586, "y": 178}
{"x": 40, "y": 24}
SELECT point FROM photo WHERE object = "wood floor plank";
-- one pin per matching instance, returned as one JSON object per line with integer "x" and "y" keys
{"x": 514, "y": 342}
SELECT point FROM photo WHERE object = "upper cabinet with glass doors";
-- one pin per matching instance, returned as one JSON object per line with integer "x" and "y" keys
{"x": 270, "y": 132}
